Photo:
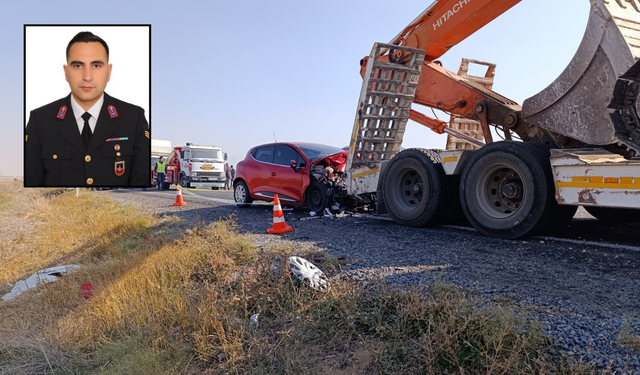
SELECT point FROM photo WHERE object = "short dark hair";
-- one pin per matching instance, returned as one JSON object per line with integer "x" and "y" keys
{"x": 86, "y": 37}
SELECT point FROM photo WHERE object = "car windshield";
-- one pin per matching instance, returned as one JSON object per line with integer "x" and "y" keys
{"x": 314, "y": 152}
{"x": 206, "y": 155}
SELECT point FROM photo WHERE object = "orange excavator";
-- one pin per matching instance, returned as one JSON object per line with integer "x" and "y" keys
{"x": 559, "y": 145}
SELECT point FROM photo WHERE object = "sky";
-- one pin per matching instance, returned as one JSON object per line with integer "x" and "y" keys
{"x": 234, "y": 74}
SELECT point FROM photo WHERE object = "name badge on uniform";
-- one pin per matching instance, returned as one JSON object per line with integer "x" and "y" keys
{"x": 119, "y": 168}
{"x": 112, "y": 111}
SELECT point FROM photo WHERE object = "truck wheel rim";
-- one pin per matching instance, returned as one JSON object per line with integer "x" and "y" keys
{"x": 410, "y": 189}
{"x": 500, "y": 191}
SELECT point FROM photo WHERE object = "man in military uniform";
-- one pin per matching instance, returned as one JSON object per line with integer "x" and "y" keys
{"x": 88, "y": 138}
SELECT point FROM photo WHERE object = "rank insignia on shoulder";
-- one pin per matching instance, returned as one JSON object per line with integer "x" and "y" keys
{"x": 62, "y": 112}
{"x": 146, "y": 134}
{"x": 112, "y": 111}
{"x": 26, "y": 137}
{"x": 119, "y": 168}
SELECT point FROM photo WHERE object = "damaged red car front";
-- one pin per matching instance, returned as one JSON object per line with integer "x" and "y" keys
{"x": 302, "y": 174}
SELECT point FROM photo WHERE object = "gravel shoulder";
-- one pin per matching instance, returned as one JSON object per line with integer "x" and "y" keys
{"x": 583, "y": 292}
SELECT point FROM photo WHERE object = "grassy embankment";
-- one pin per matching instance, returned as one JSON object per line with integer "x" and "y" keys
{"x": 172, "y": 302}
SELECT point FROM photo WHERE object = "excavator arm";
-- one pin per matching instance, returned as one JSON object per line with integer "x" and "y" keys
{"x": 572, "y": 112}
{"x": 446, "y": 23}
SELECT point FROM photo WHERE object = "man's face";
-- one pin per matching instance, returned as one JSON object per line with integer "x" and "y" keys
{"x": 87, "y": 72}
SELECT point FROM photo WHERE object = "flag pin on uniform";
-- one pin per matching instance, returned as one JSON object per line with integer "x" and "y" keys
{"x": 112, "y": 111}
{"x": 116, "y": 147}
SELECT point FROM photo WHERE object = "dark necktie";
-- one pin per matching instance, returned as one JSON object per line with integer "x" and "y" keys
{"x": 86, "y": 130}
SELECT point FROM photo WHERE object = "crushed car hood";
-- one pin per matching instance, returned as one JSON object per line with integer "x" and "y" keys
{"x": 336, "y": 161}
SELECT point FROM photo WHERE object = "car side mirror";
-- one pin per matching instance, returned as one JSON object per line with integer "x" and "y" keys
{"x": 294, "y": 165}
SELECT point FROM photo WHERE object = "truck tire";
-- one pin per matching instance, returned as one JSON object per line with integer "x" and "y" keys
{"x": 614, "y": 215}
{"x": 507, "y": 190}
{"x": 241, "y": 195}
{"x": 318, "y": 197}
{"x": 184, "y": 181}
{"x": 414, "y": 188}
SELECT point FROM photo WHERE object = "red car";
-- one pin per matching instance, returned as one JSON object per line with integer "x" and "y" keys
{"x": 302, "y": 174}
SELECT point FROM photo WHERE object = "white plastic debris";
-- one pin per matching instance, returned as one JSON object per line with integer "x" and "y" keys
{"x": 41, "y": 277}
{"x": 335, "y": 207}
{"x": 309, "y": 274}
{"x": 253, "y": 320}
{"x": 327, "y": 213}
{"x": 312, "y": 213}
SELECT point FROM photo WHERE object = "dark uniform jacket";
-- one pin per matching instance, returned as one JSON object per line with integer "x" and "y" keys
{"x": 119, "y": 153}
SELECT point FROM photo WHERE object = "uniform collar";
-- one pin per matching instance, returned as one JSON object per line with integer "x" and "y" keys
{"x": 78, "y": 111}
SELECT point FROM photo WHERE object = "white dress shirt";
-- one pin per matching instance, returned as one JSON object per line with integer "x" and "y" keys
{"x": 94, "y": 111}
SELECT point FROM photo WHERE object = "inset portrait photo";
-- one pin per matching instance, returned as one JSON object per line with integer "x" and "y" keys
{"x": 87, "y": 100}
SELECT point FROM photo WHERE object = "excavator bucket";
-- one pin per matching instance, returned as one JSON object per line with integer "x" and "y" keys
{"x": 594, "y": 99}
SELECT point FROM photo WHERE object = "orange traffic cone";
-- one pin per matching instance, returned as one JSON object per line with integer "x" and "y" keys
{"x": 279, "y": 226}
{"x": 179, "y": 201}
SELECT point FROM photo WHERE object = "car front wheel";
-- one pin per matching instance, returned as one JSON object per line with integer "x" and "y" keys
{"x": 318, "y": 197}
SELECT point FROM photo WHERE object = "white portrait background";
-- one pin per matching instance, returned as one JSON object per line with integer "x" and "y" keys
{"x": 45, "y": 56}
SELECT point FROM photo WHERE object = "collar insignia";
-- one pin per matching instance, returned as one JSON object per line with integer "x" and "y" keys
{"x": 112, "y": 111}
{"x": 62, "y": 112}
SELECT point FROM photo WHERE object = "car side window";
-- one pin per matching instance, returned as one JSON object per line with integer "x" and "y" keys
{"x": 284, "y": 154}
{"x": 264, "y": 154}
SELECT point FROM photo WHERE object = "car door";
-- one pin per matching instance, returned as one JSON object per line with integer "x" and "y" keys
{"x": 258, "y": 172}
{"x": 284, "y": 180}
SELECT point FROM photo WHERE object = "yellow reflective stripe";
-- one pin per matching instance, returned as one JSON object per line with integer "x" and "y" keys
{"x": 598, "y": 185}
{"x": 450, "y": 159}
{"x": 375, "y": 170}
{"x": 354, "y": 136}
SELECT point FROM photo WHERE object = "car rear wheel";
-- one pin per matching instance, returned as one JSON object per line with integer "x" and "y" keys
{"x": 241, "y": 195}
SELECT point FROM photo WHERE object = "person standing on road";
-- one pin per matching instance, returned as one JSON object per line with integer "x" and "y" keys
{"x": 227, "y": 183}
{"x": 233, "y": 175}
{"x": 161, "y": 166}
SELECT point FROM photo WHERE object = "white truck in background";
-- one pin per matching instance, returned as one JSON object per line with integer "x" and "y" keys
{"x": 197, "y": 166}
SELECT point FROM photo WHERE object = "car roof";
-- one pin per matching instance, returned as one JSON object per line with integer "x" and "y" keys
{"x": 293, "y": 143}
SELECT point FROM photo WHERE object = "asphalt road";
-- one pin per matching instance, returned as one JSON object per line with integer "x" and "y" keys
{"x": 584, "y": 227}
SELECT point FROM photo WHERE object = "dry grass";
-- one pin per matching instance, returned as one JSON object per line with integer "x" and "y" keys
{"x": 179, "y": 303}
{"x": 627, "y": 338}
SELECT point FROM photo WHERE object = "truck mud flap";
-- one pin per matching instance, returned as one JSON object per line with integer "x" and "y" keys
{"x": 601, "y": 72}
